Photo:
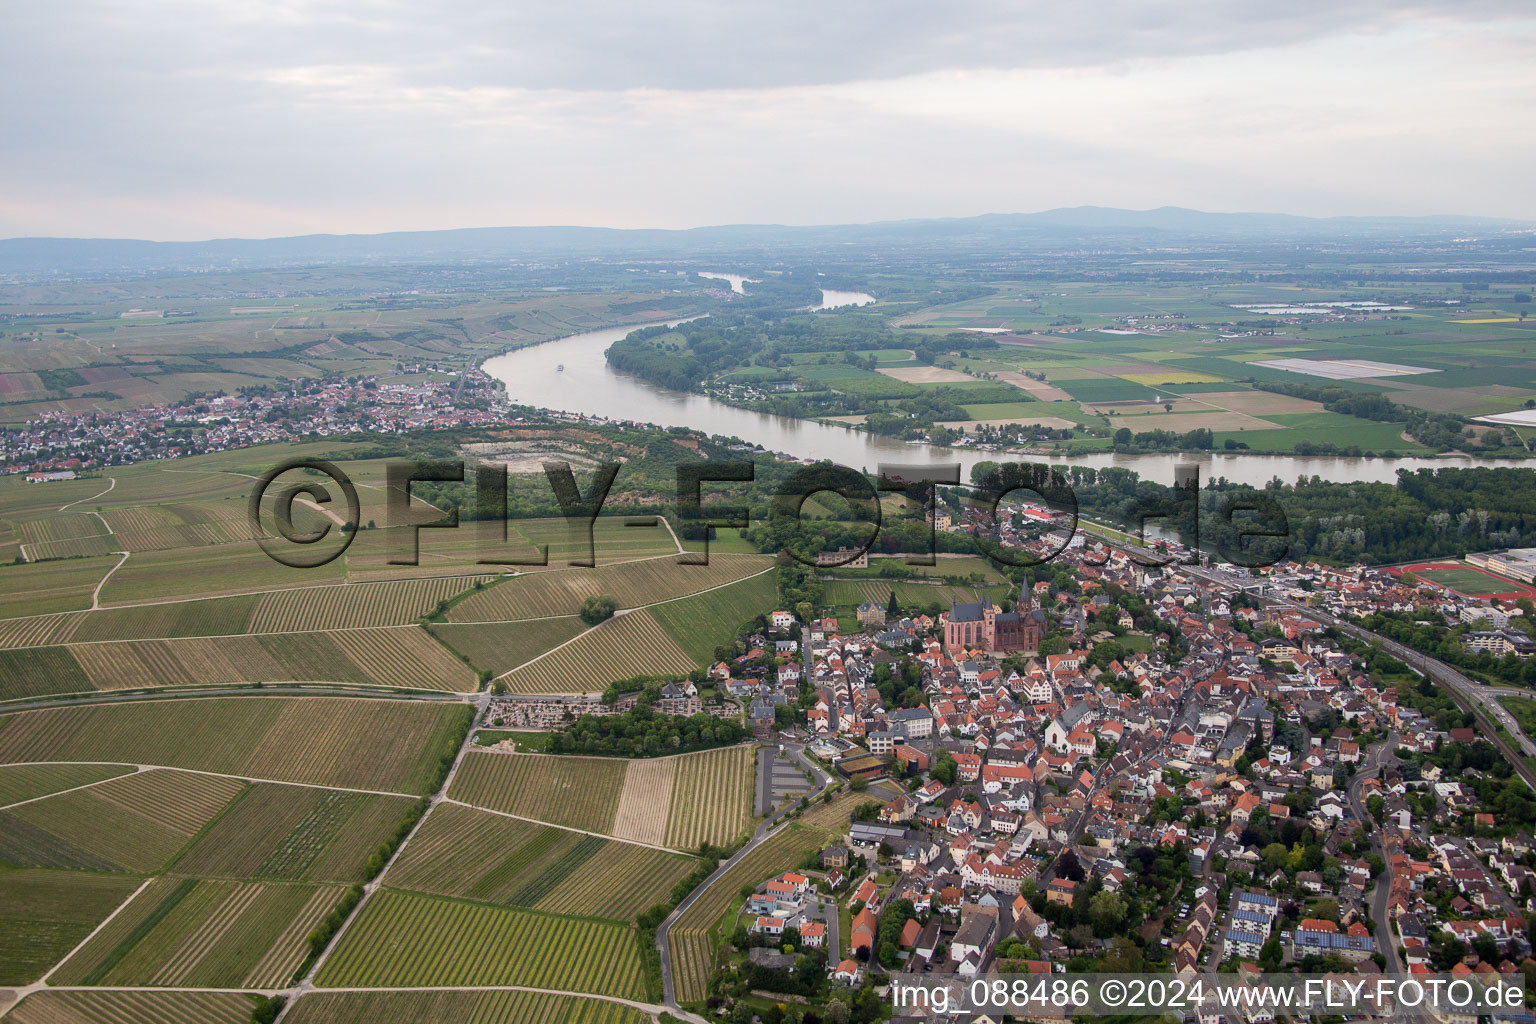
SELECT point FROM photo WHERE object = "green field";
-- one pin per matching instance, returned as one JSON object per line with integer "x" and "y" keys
{"x": 203, "y": 934}
{"x": 145, "y": 1007}
{"x": 459, "y": 1008}
{"x": 294, "y": 833}
{"x": 134, "y": 823}
{"x": 494, "y": 859}
{"x": 28, "y": 782}
{"x": 578, "y": 792}
{"x": 314, "y": 740}
{"x": 405, "y": 940}
{"x": 45, "y": 914}
{"x": 500, "y": 647}
{"x": 1471, "y": 582}
{"x": 701, "y": 623}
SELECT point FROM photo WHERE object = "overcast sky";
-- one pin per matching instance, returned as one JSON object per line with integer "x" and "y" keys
{"x": 188, "y": 119}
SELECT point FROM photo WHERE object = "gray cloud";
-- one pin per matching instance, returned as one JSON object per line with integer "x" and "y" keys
{"x": 190, "y": 118}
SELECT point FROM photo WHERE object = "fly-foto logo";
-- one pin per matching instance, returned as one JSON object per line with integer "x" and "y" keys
{"x": 333, "y": 512}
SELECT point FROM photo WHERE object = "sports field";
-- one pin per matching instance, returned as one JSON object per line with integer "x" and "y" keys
{"x": 1467, "y": 580}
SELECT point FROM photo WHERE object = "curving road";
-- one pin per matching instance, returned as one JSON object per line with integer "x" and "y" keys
{"x": 1377, "y": 760}
{"x": 767, "y": 830}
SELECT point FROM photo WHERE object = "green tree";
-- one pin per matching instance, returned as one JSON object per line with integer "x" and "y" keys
{"x": 1107, "y": 910}
{"x": 597, "y": 609}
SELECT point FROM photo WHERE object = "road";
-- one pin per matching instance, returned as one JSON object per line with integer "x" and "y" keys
{"x": 1377, "y": 760}
{"x": 765, "y": 831}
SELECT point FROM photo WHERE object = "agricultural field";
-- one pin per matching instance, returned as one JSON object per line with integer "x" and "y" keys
{"x": 391, "y": 745}
{"x": 295, "y": 833}
{"x": 38, "y": 630}
{"x": 39, "y": 588}
{"x": 577, "y": 792}
{"x": 217, "y": 617}
{"x": 203, "y": 934}
{"x": 177, "y": 525}
{"x": 459, "y": 1008}
{"x": 146, "y": 1007}
{"x": 703, "y": 622}
{"x": 405, "y": 940}
{"x": 1135, "y": 348}
{"x": 490, "y": 858}
{"x": 31, "y": 781}
{"x": 404, "y": 657}
{"x": 355, "y": 606}
{"x": 712, "y": 796}
{"x": 849, "y": 594}
{"x": 133, "y": 823}
{"x": 45, "y": 914}
{"x": 500, "y": 647}
{"x": 297, "y": 609}
{"x": 633, "y": 584}
{"x": 707, "y": 795}
{"x": 210, "y": 571}
{"x": 627, "y": 645}
{"x": 63, "y": 535}
{"x": 225, "y": 347}
{"x": 613, "y": 540}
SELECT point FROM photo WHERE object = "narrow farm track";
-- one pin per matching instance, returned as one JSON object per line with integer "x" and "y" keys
{"x": 111, "y": 483}
{"x": 96, "y": 594}
{"x": 73, "y": 789}
{"x": 194, "y": 771}
{"x": 568, "y": 828}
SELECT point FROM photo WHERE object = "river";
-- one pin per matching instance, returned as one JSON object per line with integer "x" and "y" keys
{"x": 589, "y": 386}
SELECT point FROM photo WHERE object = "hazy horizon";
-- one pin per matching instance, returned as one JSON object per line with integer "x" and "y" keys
{"x": 182, "y": 121}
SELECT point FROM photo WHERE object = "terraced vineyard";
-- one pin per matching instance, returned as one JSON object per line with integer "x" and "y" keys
{"x": 502, "y": 646}
{"x": 458, "y": 1008}
{"x": 30, "y": 781}
{"x": 487, "y": 857}
{"x": 295, "y": 833}
{"x": 134, "y": 823}
{"x": 578, "y": 792}
{"x": 354, "y": 605}
{"x": 632, "y": 584}
{"x": 133, "y": 1008}
{"x": 405, "y": 940}
{"x": 703, "y": 622}
{"x": 160, "y": 527}
{"x": 391, "y": 745}
{"x": 203, "y": 934}
{"x": 632, "y": 644}
{"x": 405, "y": 657}
{"x": 677, "y": 802}
{"x": 712, "y": 797}
{"x": 45, "y": 914}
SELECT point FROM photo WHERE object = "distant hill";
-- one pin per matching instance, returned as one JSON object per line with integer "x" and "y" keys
{"x": 1047, "y": 229}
